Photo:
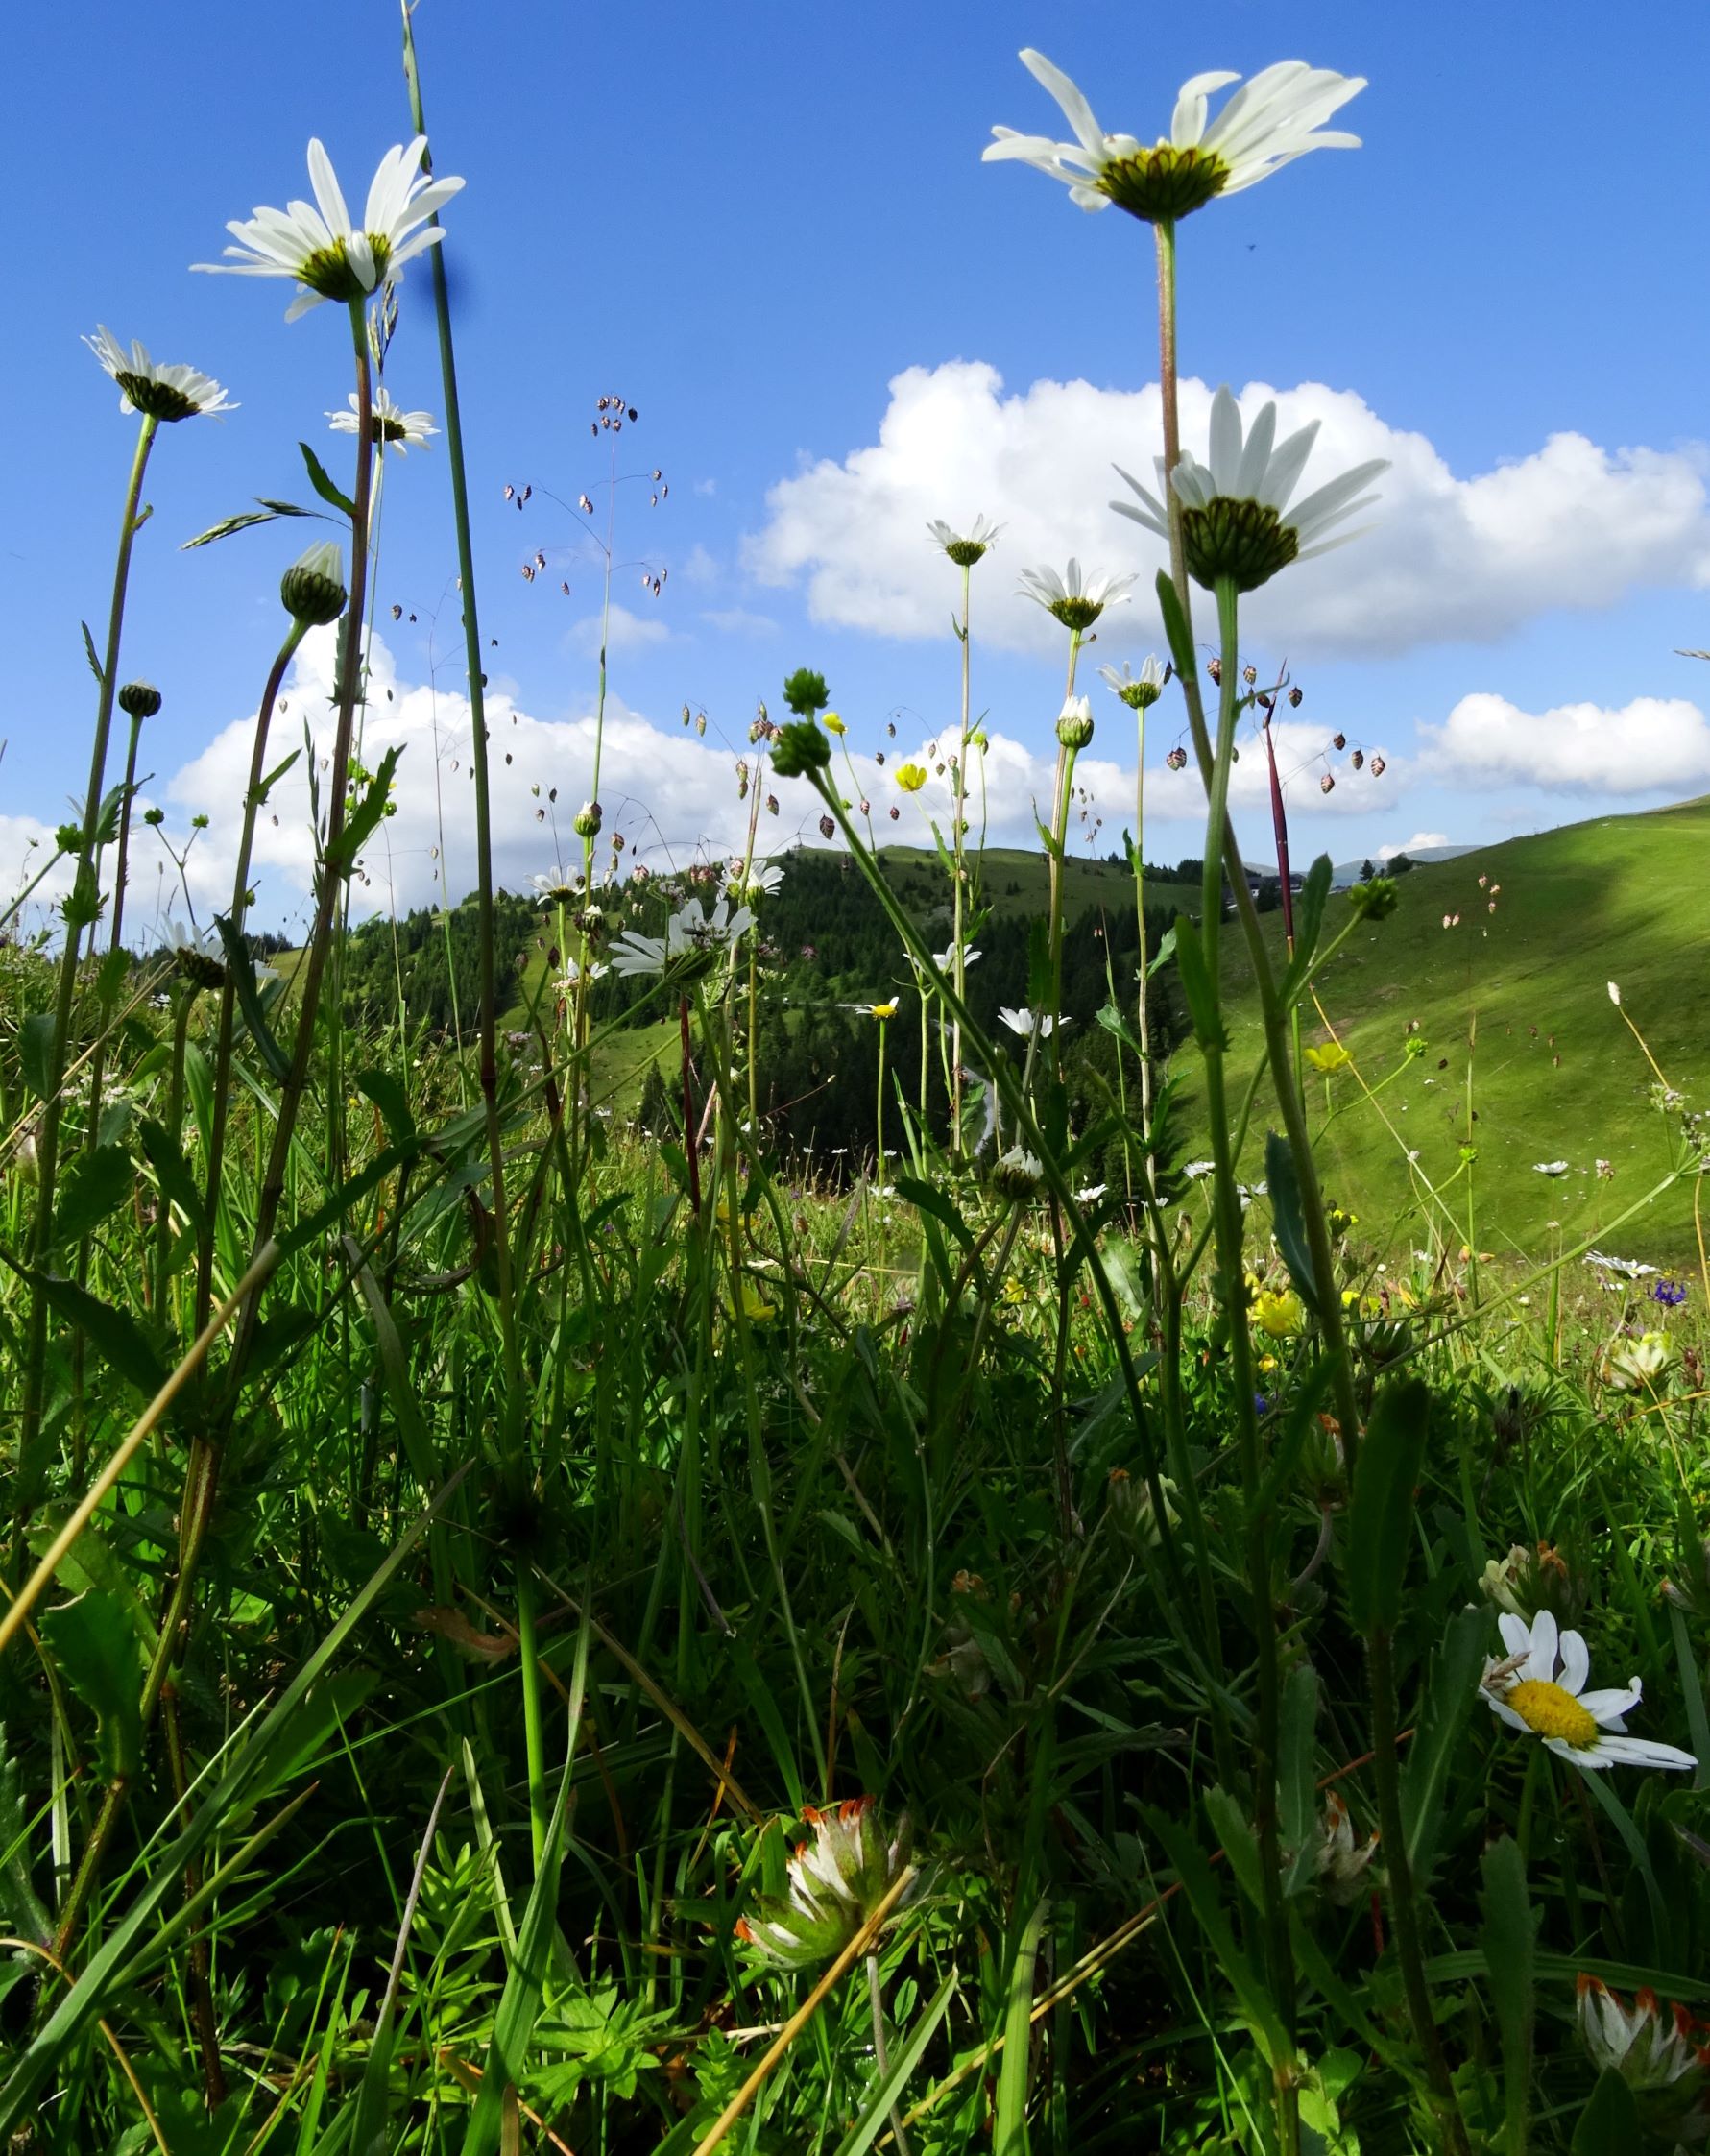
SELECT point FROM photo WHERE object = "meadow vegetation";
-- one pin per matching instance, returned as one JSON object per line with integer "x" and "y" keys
{"x": 917, "y": 1499}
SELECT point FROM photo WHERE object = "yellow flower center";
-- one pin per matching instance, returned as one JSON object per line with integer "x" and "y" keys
{"x": 1552, "y": 1712}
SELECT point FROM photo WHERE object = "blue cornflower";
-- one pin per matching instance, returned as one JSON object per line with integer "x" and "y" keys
{"x": 1671, "y": 1293}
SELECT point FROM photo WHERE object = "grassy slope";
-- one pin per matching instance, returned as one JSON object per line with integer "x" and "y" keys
{"x": 1621, "y": 898}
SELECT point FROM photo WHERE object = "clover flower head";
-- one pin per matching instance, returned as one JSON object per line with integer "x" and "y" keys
{"x": 1659, "y": 2051}
{"x": 1272, "y": 119}
{"x": 835, "y": 1879}
{"x": 1538, "y": 1688}
{"x": 316, "y": 243}
{"x": 1075, "y": 598}
{"x": 1235, "y": 519}
{"x": 965, "y": 548}
{"x": 164, "y": 392}
{"x": 390, "y": 427}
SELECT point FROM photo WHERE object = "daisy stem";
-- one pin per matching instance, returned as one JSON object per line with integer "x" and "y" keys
{"x": 1164, "y": 235}
{"x": 80, "y": 910}
{"x": 960, "y": 854}
{"x": 512, "y": 1411}
{"x": 1230, "y": 1290}
{"x": 240, "y": 900}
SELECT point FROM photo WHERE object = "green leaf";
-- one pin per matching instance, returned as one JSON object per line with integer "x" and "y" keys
{"x": 118, "y": 1338}
{"x": 96, "y": 1183}
{"x": 1164, "y": 953}
{"x": 245, "y": 519}
{"x": 519, "y": 2003}
{"x": 1452, "y": 1689}
{"x": 272, "y": 777}
{"x": 111, "y": 976}
{"x": 1381, "y": 1516}
{"x": 1692, "y": 1686}
{"x": 926, "y": 1198}
{"x": 1199, "y": 1884}
{"x": 1308, "y": 920}
{"x": 887, "y": 2094}
{"x": 240, "y": 971}
{"x": 19, "y": 1905}
{"x": 1241, "y": 1843}
{"x": 1198, "y": 985}
{"x": 89, "y": 654}
{"x": 363, "y": 820}
{"x": 107, "y": 820}
{"x": 323, "y": 485}
{"x": 1175, "y": 627}
{"x": 1290, "y": 1219}
{"x": 1509, "y": 1941}
{"x": 94, "y": 1641}
{"x": 1039, "y": 964}
{"x": 1609, "y": 2125}
{"x": 389, "y": 1095}
{"x": 1009, "y": 2127}
{"x": 171, "y": 1170}
{"x": 1297, "y": 1795}
{"x": 35, "y": 1053}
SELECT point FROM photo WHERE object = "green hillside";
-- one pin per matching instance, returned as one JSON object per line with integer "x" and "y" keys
{"x": 1555, "y": 1073}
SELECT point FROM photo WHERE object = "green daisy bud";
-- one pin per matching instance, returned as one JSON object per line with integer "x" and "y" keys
{"x": 312, "y": 590}
{"x": 140, "y": 700}
{"x": 1075, "y": 722}
{"x": 589, "y": 818}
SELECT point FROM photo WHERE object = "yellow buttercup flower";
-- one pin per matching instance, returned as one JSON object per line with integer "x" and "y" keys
{"x": 1332, "y": 1056}
{"x": 910, "y": 777}
{"x": 832, "y": 724}
{"x": 1278, "y": 1312}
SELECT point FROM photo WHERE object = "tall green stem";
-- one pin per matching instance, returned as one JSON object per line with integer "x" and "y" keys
{"x": 227, "y": 1021}
{"x": 81, "y": 911}
{"x": 960, "y": 852}
{"x": 512, "y": 1410}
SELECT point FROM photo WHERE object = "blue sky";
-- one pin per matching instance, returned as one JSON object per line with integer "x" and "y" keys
{"x": 749, "y": 222}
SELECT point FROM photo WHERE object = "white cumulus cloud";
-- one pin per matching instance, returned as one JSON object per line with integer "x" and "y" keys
{"x": 1652, "y": 744}
{"x": 1420, "y": 842}
{"x": 1568, "y": 524}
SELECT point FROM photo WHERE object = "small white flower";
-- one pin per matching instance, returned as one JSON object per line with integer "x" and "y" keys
{"x": 200, "y": 957}
{"x": 1025, "y": 1022}
{"x": 388, "y": 424}
{"x": 1548, "y": 1167}
{"x": 560, "y": 886}
{"x": 1538, "y": 1688}
{"x": 161, "y": 392}
{"x": 1270, "y": 121}
{"x": 316, "y": 244}
{"x": 1196, "y": 1169}
{"x": 945, "y": 960}
{"x": 759, "y": 880}
{"x": 1629, "y": 1268}
{"x": 1088, "y": 1193}
{"x": 1075, "y": 600}
{"x": 1635, "y": 2041}
{"x": 1017, "y": 1173}
{"x": 573, "y": 975}
{"x": 1614, "y": 994}
{"x": 964, "y": 548}
{"x": 1233, "y": 507}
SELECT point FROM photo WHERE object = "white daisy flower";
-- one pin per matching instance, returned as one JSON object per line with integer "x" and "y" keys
{"x": 1017, "y": 1173}
{"x": 1196, "y": 1169}
{"x": 759, "y": 880}
{"x": 1233, "y": 521}
{"x": 692, "y": 933}
{"x": 1088, "y": 1193}
{"x": 560, "y": 886}
{"x": 1538, "y": 1688}
{"x": 945, "y": 960}
{"x": 388, "y": 424}
{"x": 1548, "y": 1167}
{"x": 1629, "y": 1268}
{"x": 1137, "y": 691}
{"x": 199, "y": 956}
{"x": 316, "y": 244}
{"x": 1025, "y": 1022}
{"x": 1270, "y": 121}
{"x": 964, "y": 548}
{"x": 161, "y": 393}
{"x": 1075, "y": 600}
